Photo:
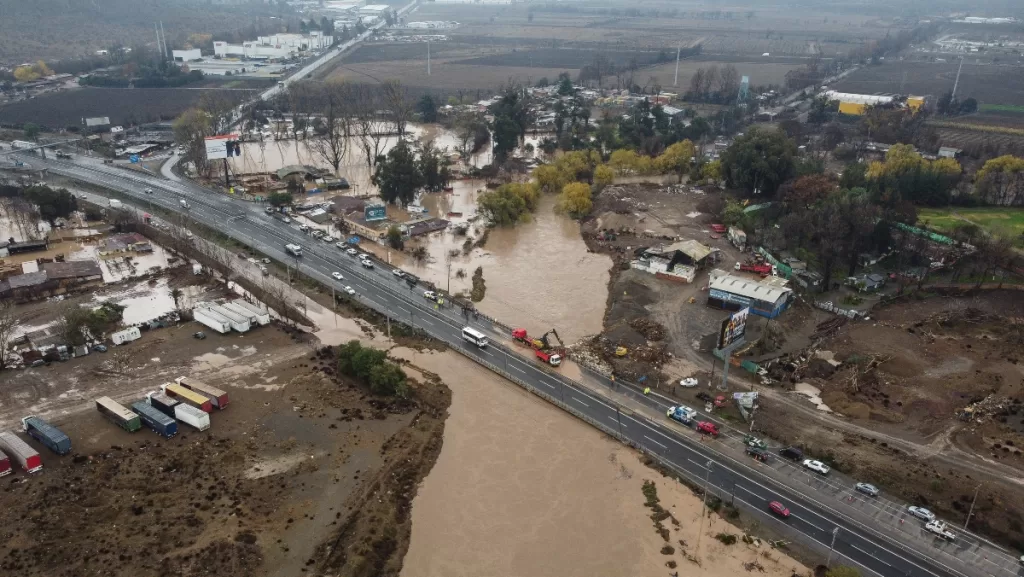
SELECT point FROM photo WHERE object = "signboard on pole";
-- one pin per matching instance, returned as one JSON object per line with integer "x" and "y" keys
{"x": 375, "y": 212}
{"x": 734, "y": 327}
{"x": 223, "y": 146}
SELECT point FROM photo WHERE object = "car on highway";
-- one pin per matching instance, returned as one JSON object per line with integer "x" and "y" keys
{"x": 364, "y": 256}
{"x": 688, "y": 382}
{"x": 269, "y": 210}
{"x": 867, "y": 489}
{"x": 430, "y": 295}
{"x": 921, "y": 513}
{"x": 707, "y": 428}
{"x": 340, "y": 245}
{"x": 366, "y": 263}
{"x": 265, "y": 260}
{"x": 793, "y": 453}
{"x": 779, "y": 509}
{"x": 351, "y": 251}
{"x": 816, "y": 466}
{"x": 337, "y": 275}
{"x": 317, "y": 233}
{"x": 328, "y": 238}
{"x": 149, "y": 191}
{"x": 758, "y": 453}
{"x": 303, "y": 228}
{"x": 398, "y": 272}
{"x": 184, "y": 204}
{"x": 940, "y": 529}
{"x": 349, "y": 290}
{"x": 682, "y": 413}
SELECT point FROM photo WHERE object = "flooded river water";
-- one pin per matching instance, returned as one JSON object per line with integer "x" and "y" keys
{"x": 523, "y": 489}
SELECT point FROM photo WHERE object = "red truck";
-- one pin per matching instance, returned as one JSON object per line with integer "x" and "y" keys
{"x": 761, "y": 269}
{"x": 550, "y": 357}
{"x": 719, "y": 228}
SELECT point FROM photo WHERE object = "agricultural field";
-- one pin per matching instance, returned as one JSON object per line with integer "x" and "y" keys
{"x": 998, "y": 84}
{"x": 995, "y": 219}
{"x": 123, "y": 106}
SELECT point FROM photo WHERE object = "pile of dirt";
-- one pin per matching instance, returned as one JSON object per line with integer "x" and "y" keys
{"x": 651, "y": 330}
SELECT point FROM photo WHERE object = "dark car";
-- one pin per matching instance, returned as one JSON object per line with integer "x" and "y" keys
{"x": 794, "y": 453}
{"x": 759, "y": 454}
{"x": 100, "y": 348}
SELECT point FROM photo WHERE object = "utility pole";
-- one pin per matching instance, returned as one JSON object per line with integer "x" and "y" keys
{"x": 957, "y": 82}
{"x": 704, "y": 509}
{"x": 832, "y": 547}
{"x": 971, "y": 512}
{"x": 675, "y": 81}
{"x": 428, "y": 57}
{"x": 167, "y": 51}
{"x": 159, "y": 45}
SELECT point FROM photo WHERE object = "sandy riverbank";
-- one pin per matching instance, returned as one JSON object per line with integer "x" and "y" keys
{"x": 521, "y": 488}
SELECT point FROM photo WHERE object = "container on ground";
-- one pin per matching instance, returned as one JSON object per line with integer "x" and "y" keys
{"x": 261, "y": 312}
{"x": 156, "y": 420}
{"x": 218, "y": 397}
{"x": 239, "y": 323}
{"x": 20, "y": 451}
{"x": 211, "y": 320}
{"x": 126, "y": 336}
{"x": 254, "y": 318}
{"x": 117, "y": 414}
{"x": 47, "y": 434}
{"x": 187, "y": 397}
{"x": 192, "y": 416}
{"x": 162, "y": 403}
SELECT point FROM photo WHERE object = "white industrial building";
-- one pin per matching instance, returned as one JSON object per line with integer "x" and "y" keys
{"x": 277, "y": 46}
{"x": 377, "y": 10}
{"x": 186, "y": 55}
{"x": 867, "y": 99}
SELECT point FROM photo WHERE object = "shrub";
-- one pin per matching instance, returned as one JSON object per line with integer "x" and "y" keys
{"x": 726, "y": 538}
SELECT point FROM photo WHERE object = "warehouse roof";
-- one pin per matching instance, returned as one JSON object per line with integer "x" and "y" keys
{"x": 691, "y": 248}
{"x": 748, "y": 288}
{"x": 27, "y": 279}
{"x": 72, "y": 269}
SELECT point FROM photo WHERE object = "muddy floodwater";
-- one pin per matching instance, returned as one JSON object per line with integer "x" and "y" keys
{"x": 523, "y": 489}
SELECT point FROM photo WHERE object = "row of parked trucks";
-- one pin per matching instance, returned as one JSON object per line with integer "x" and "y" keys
{"x": 186, "y": 400}
{"x": 238, "y": 315}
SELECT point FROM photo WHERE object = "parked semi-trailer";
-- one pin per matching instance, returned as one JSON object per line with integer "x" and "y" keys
{"x": 239, "y": 323}
{"x": 262, "y": 314}
{"x": 54, "y": 439}
{"x": 162, "y": 403}
{"x": 154, "y": 419}
{"x": 218, "y": 397}
{"x": 21, "y": 452}
{"x": 187, "y": 397}
{"x": 5, "y": 464}
{"x": 253, "y": 318}
{"x": 192, "y": 416}
{"x": 211, "y": 320}
{"x": 120, "y": 416}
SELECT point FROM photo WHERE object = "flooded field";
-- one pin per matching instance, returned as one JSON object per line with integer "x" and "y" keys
{"x": 558, "y": 497}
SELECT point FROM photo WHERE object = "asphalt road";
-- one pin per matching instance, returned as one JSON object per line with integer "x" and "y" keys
{"x": 813, "y": 522}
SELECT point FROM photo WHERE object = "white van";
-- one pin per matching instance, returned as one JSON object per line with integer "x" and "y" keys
{"x": 474, "y": 336}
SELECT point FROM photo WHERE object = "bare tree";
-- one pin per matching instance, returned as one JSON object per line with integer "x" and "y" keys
{"x": 710, "y": 80}
{"x": 697, "y": 82}
{"x": 331, "y": 141}
{"x": 370, "y": 127}
{"x": 728, "y": 82}
{"x": 396, "y": 97}
{"x": 8, "y": 322}
{"x": 302, "y": 101}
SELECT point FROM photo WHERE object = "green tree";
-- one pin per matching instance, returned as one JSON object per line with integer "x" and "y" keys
{"x": 434, "y": 167}
{"x": 395, "y": 239}
{"x": 388, "y": 379}
{"x": 427, "y": 107}
{"x": 505, "y": 133}
{"x": 505, "y": 205}
{"x": 190, "y": 130}
{"x": 397, "y": 175}
{"x": 564, "y": 84}
{"x": 603, "y": 175}
{"x": 279, "y": 199}
{"x": 53, "y": 204}
{"x": 759, "y": 161}
{"x": 31, "y": 130}
{"x": 576, "y": 200}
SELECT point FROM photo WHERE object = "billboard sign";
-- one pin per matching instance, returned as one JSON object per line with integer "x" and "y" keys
{"x": 733, "y": 328}
{"x": 223, "y": 146}
{"x": 375, "y": 212}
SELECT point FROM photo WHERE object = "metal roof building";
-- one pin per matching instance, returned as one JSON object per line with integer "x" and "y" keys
{"x": 733, "y": 293}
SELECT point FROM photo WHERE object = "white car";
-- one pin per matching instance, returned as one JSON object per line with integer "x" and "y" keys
{"x": 366, "y": 263}
{"x": 340, "y": 245}
{"x": 351, "y": 251}
{"x": 337, "y": 275}
{"x": 364, "y": 256}
{"x": 349, "y": 290}
{"x": 149, "y": 191}
{"x": 398, "y": 272}
{"x": 816, "y": 466}
{"x": 921, "y": 513}
{"x": 430, "y": 295}
{"x": 688, "y": 382}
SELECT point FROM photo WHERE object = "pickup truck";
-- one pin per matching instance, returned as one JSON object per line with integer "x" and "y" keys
{"x": 939, "y": 528}
{"x": 683, "y": 414}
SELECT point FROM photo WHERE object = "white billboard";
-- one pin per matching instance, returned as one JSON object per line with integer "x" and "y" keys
{"x": 223, "y": 146}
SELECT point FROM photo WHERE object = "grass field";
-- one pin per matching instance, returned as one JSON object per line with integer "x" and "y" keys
{"x": 994, "y": 219}
{"x": 995, "y": 84}
{"x": 1002, "y": 109}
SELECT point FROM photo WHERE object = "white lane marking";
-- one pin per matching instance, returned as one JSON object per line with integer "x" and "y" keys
{"x": 810, "y": 510}
{"x": 655, "y": 442}
{"x": 852, "y": 546}
{"x": 580, "y": 402}
{"x": 817, "y": 527}
{"x": 515, "y": 368}
{"x": 550, "y": 386}
{"x": 751, "y": 492}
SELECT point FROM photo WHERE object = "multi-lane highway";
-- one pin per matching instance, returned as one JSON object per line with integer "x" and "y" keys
{"x": 819, "y": 519}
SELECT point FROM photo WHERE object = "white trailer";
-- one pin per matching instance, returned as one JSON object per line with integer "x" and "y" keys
{"x": 254, "y": 319}
{"x": 239, "y": 322}
{"x": 114, "y": 203}
{"x": 211, "y": 319}
{"x": 261, "y": 312}
{"x": 126, "y": 336}
{"x": 192, "y": 416}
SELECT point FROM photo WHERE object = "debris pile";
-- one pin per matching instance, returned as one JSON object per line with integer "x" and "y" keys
{"x": 651, "y": 330}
